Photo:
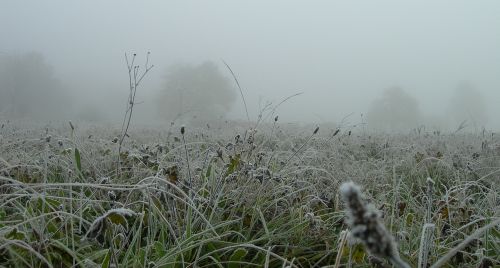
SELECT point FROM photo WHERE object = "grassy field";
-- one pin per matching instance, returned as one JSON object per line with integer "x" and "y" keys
{"x": 226, "y": 195}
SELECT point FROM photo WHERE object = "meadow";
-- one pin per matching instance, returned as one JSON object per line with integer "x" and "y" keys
{"x": 232, "y": 194}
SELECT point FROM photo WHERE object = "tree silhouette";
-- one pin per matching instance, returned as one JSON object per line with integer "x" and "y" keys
{"x": 396, "y": 110}
{"x": 28, "y": 88}
{"x": 197, "y": 92}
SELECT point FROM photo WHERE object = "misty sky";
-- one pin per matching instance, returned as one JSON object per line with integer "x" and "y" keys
{"x": 341, "y": 54}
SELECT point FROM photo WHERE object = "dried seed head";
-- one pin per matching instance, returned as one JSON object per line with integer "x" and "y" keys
{"x": 316, "y": 130}
{"x": 104, "y": 180}
{"x": 112, "y": 195}
{"x": 366, "y": 225}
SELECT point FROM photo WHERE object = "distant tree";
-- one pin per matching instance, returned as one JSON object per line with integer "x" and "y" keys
{"x": 396, "y": 110}
{"x": 197, "y": 92}
{"x": 467, "y": 104}
{"x": 28, "y": 88}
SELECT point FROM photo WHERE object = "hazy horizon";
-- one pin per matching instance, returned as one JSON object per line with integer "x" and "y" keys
{"x": 342, "y": 55}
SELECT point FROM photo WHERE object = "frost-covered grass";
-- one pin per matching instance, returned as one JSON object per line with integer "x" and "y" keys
{"x": 258, "y": 197}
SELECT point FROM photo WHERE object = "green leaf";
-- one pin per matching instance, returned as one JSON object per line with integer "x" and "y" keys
{"x": 54, "y": 203}
{"x": 260, "y": 258}
{"x": 156, "y": 201}
{"x": 356, "y": 251}
{"x": 409, "y": 219}
{"x": 15, "y": 234}
{"x": 233, "y": 164}
{"x": 117, "y": 219}
{"x": 107, "y": 259}
{"x": 236, "y": 257}
{"x": 159, "y": 249}
{"x": 209, "y": 171}
{"x": 213, "y": 249}
{"x": 3, "y": 216}
{"x": 78, "y": 160}
{"x": 67, "y": 255}
{"x": 358, "y": 254}
{"x": 141, "y": 257}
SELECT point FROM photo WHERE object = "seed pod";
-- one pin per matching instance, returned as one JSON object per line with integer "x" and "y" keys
{"x": 316, "y": 130}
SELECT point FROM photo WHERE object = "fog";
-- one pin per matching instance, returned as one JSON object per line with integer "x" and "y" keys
{"x": 345, "y": 57}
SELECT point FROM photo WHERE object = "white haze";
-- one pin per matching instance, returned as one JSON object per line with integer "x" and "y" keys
{"x": 341, "y": 54}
